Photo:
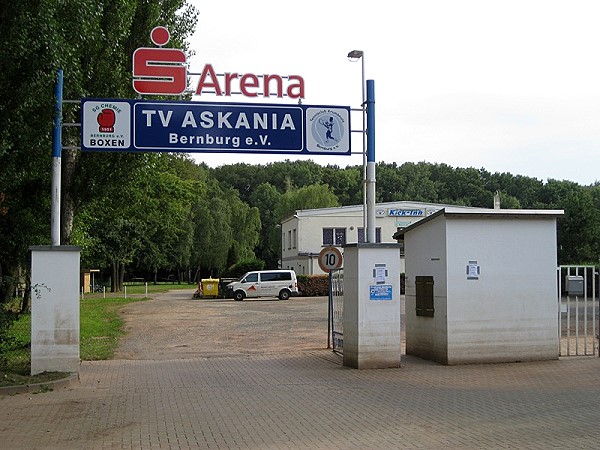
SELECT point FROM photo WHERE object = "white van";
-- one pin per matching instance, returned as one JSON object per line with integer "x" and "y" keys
{"x": 264, "y": 283}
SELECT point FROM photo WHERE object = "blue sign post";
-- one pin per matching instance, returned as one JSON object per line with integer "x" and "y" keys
{"x": 141, "y": 126}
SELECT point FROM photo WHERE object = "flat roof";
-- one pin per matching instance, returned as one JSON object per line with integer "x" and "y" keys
{"x": 350, "y": 210}
{"x": 457, "y": 212}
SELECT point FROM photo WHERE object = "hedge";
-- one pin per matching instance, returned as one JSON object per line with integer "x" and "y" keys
{"x": 318, "y": 285}
{"x": 313, "y": 285}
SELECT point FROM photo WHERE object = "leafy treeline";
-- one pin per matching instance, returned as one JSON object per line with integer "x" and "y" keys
{"x": 578, "y": 229}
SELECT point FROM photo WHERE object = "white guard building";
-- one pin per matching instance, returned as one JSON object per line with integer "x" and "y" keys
{"x": 306, "y": 232}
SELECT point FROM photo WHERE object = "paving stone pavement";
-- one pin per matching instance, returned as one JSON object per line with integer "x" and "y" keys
{"x": 308, "y": 400}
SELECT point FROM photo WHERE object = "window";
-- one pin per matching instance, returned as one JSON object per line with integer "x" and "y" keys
{"x": 289, "y": 239}
{"x": 361, "y": 235}
{"x": 334, "y": 236}
{"x": 340, "y": 236}
{"x": 275, "y": 276}
{"x": 294, "y": 238}
{"x": 327, "y": 236}
{"x": 251, "y": 278}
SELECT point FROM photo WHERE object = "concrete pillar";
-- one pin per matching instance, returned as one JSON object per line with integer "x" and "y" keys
{"x": 371, "y": 315}
{"x": 54, "y": 309}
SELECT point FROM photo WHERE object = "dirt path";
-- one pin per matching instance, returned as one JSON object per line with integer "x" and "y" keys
{"x": 175, "y": 326}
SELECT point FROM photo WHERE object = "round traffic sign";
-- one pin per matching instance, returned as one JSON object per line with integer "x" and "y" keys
{"x": 330, "y": 258}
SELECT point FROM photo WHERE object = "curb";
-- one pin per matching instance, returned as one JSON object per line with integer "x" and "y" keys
{"x": 40, "y": 387}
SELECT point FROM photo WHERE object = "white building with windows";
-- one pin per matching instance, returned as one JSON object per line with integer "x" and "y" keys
{"x": 306, "y": 232}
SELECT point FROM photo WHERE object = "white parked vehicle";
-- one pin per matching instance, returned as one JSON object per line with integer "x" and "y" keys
{"x": 264, "y": 283}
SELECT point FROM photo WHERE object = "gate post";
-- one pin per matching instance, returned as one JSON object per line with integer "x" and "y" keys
{"x": 54, "y": 309}
{"x": 372, "y": 338}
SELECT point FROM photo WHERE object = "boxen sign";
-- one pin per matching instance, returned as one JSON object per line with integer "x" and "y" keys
{"x": 134, "y": 125}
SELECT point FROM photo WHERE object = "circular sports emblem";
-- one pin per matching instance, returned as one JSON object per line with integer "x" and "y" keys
{"x": 328, "y": 130}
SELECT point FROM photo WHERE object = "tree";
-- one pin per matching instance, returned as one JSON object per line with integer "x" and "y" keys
{"x": 298, "y": 173}
{"x": 266, "y": 198}
{"x": 346, "y": 184}
{"x": 119, "y": 27}
{"x": 92, "y": 41}
{"x": 164, "y": 207}
{"x": 407, "y": 182}
{"x": 579, "y": 229}
{"x": 307, "y": 197}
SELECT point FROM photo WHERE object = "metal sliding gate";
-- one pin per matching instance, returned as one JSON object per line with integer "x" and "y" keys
{"x": 578, "y": 321}
{"x": 336, "y": 309}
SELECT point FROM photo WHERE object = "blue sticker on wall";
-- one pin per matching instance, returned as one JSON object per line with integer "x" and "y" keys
{"x": 380, "y": 292}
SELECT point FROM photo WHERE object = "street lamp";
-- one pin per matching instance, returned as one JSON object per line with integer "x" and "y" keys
{"x": 354, "y": 56}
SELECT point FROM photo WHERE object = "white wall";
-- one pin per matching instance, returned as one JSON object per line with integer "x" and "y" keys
{"x": 371, "y": 324}
{"x": 510, "y": 312}
{"x": 309, "y": 226}
{"x": 425, "y": 250}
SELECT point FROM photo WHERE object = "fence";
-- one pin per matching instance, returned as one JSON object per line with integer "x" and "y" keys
{"x": 336, "y": 309}
{"x": 578, "y": 310}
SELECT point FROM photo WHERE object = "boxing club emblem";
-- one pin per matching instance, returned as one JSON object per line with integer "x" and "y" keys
{"x": 106, "y": 121}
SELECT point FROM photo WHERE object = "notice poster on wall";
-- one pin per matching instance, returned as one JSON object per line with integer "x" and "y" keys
{"x": 380, "y": 292}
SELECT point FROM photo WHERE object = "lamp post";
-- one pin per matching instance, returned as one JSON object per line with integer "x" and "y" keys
{"x": 355, "y": 55}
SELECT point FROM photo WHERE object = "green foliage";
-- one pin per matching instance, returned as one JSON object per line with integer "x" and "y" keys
{"x": 7, "y": 339}
{"x": 265, "y": 198}
{"x": 306, "y": 197}
{"x": 93, "y": 42}
{"x": 313, "y": 285}
{"x": 241, "y": 267}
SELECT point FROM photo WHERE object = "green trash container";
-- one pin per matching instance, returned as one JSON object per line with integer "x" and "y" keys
{"x": 210, "y": 287}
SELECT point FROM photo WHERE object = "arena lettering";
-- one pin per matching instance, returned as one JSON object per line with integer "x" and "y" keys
{"x": 249, "y": 84}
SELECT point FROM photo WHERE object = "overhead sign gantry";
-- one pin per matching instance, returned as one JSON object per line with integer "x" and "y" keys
{"x": 180, "y": 126}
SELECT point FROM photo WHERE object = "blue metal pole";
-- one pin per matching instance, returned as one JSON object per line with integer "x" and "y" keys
{"x": 56, "y": 159}
{"x": 370, "y": 161}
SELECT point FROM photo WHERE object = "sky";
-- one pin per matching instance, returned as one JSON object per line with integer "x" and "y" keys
{"x": 508, "y": 86}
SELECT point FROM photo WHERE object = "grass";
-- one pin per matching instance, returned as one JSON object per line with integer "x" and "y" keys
{"x": 156, "y": 288}
{"x": 101, "y": 327}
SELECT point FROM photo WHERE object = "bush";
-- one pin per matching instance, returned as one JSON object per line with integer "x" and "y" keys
{"x": 313, "y": 285}
{"x": 14, "y": 340}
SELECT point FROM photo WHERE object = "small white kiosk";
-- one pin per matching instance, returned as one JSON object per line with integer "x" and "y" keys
{"x": 481, "y": 286}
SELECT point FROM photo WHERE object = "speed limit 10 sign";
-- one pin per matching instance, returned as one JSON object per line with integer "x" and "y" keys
{"x": 330, "y": 258}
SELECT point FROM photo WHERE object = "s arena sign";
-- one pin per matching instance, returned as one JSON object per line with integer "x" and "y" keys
{"x": 163, "y": 71}
{"x": 133, "y": 125}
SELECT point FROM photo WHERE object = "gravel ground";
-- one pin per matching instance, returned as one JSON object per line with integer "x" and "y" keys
{"x": 173, "y": 325}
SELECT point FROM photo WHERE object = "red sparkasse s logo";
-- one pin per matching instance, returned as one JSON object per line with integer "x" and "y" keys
{"x": 163, "y": 71}
{"x": 159, "y": 71}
